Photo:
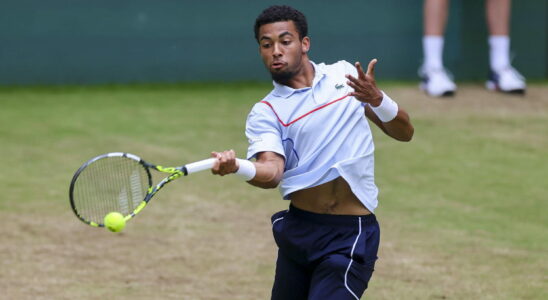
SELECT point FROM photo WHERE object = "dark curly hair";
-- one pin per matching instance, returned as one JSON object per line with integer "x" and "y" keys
{"x": 277, "y": 13}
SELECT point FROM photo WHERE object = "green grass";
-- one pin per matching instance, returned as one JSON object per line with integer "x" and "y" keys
{"x": 462, "y": 207}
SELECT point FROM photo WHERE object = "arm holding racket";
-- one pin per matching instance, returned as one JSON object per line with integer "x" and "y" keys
{"x": 122, "y": 182}
{"x": 268, "y": 169}
{"x": 245, "y": 168}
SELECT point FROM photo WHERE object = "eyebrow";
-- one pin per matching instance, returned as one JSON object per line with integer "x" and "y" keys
{"x": 280, "y": 36}
{"x": 285, "y": 33}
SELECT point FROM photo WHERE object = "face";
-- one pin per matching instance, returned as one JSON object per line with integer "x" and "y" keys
{"x": 281, "y": 50}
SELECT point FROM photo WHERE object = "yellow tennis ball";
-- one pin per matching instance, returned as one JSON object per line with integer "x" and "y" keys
{"x": 115, "y": 222}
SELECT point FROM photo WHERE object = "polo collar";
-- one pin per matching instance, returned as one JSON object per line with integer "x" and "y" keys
{"x": 285, "y": 91}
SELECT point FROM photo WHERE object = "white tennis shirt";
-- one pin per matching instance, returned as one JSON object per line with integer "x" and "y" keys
{"x": 321, "y": 133}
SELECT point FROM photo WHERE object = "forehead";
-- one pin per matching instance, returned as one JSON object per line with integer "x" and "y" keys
{"x": 275, "y": 29}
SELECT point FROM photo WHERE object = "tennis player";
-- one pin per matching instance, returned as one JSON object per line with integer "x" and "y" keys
{"x": 310, "y": 136}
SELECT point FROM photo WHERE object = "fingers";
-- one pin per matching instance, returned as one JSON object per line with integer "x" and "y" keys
{"x": 361, "y": 74}
{"x": 352, "y": 81}
{"x": 360, "y": 92}
{"x": 368, "y": 76}
{"x": 225, "y": 162}
{"x": 364, "y": 87}
{"x": 371, "y": 68}
{"x": 355, "y": 87}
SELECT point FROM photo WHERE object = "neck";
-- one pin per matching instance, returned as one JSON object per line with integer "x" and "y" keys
{"x": 303, "y": 78}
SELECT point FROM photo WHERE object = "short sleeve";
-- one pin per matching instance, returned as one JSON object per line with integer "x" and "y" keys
{"x": 263, "y": 132}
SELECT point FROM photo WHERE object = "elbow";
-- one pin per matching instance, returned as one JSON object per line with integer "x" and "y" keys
{"x": 269, "y": 174}
{"x": 407, "y": 136}
{"x": 266, "y": 185}
{"x": 270, "y": 185}
{"x": 274, "y": 182}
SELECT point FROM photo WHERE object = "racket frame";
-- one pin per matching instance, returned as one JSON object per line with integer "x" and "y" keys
{"x": 175, "y": 172}
{"x": 246, "y": 170}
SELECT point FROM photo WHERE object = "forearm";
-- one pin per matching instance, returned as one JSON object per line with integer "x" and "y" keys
{"x": 395, "y": 121}
{"x": 269, "y": 170}
{"x": 267, "y": 176}
{"x": 400, "y": 128}
{"x": 266, "y": 172}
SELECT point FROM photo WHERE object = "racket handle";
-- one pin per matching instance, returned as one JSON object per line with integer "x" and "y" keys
{"x": 199, "y": 165}
{"x": 247, "y": 169}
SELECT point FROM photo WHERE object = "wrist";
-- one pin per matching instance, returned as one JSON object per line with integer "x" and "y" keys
{"x": 246, "y": 169}
{"x": 376, "y": 102}
{"x": 387, "y": 109}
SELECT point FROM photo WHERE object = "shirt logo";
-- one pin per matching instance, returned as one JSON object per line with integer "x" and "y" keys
{"x": 339, "y": 86}
{"x": 255, "y": 140}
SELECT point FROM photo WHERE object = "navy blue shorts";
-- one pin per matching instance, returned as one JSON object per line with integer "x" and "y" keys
{"x": 323, "y": 256}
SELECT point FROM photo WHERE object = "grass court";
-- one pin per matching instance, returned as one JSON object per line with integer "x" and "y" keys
{"x": 462, "y": 207}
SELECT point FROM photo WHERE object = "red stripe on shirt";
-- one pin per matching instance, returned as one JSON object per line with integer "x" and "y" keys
{"x": 306, "y": 114}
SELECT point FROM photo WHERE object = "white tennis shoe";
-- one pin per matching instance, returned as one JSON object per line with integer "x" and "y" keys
{"x": 508, "y": 80}
{"x": 437, "y": 82}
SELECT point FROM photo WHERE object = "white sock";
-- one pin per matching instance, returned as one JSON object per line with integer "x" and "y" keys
{"x": 499, "y": 52}
{"x": 432, "y": 47}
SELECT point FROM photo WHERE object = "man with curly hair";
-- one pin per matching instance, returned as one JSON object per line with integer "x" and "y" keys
{"x": 310, "y": 136}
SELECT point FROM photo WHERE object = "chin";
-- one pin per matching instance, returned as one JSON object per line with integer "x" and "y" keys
{"x": 282, "y": 76}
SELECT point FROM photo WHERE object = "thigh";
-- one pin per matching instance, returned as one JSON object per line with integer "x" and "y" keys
{"x": 291, "y": 281}
{"x": 342, "y": 276}
{"x": 339, "y": 278}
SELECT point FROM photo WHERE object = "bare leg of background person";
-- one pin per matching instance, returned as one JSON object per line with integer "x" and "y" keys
{"x": 498, "y": 20}
{"x": 498, "y": 16}
{"x": 435, "y": 20}
{"x": 435, "y": 80}
{"x": 435, "y": 16}
{"x": 502, "y": 75}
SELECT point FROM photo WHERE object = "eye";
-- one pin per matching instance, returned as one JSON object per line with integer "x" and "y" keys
{"x": 265, "y": 45}
{"x": 286, "y": 42}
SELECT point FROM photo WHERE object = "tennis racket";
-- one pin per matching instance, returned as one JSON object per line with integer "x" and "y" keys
{"x": 122, "y": 182}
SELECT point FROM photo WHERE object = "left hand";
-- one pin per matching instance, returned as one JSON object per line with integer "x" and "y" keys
{"x": 365, "y": 87}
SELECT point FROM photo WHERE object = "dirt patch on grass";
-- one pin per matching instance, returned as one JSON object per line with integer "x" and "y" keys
{"x": 470, "y": 100}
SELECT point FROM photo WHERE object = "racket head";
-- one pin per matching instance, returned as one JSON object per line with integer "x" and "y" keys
{"x": 112, "y": 182}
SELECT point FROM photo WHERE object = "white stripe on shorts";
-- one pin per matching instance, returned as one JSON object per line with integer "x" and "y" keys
{"x": 351, "y": 260}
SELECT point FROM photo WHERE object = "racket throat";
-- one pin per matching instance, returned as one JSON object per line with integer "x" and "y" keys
{"x": 175, "y": 172}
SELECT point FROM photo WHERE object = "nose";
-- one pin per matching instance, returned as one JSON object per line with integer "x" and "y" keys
{"x": 277, "y": 51}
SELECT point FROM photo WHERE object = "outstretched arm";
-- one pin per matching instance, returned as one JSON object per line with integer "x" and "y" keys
{"x": 391, "y": 119}
{"x": 269, "y": 167}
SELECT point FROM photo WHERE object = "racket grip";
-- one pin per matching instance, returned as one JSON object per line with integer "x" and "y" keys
{"x": 199, "y": 165}
{"x": 246, "y": 170}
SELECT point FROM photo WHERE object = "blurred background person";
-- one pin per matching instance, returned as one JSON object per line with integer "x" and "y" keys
{"x": 437, "y": 81}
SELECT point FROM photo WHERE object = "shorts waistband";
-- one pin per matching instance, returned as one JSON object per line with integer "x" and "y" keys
{"x": 331, "y": 219}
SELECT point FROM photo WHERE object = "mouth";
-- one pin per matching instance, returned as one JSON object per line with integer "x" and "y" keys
{"x": 277, "y": 65}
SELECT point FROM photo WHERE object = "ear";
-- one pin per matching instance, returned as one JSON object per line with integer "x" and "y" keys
{"x": 305, "y": 44}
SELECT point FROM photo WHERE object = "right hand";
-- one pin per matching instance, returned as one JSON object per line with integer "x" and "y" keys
{"x": 225, "y": 164}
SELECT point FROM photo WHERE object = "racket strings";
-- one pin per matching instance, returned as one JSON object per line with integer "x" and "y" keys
{"x": 110, "y": 184}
